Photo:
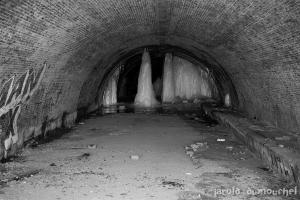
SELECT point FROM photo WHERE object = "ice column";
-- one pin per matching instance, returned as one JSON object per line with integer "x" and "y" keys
{"x": 145, "y": 94}
{"x": 110, "y": 94}
{"x": 168, "y": 94}
{"x": 190, "y": 80}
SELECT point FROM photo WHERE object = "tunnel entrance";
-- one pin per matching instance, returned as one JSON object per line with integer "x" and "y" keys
{"x": 186, "y": 79}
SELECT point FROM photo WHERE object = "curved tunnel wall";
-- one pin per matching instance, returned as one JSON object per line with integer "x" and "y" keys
{"x": 256, "y": 42}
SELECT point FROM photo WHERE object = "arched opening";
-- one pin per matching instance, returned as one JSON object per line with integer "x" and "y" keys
{"x": 130, "y": 66}
{"x": 62, "y": 61}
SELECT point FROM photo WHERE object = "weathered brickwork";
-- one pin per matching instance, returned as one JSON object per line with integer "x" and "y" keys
{"x": 257, "y": 43}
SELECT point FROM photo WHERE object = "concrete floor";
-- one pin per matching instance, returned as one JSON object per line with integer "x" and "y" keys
{"x": 68, "y": 168}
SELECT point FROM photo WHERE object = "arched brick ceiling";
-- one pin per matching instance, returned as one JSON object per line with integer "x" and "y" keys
{"x": 256, "y": 41}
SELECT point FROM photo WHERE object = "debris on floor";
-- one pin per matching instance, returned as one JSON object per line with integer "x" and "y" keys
{"x": 199, "y": 146}
{"x": 84, "y": 156}
{"x": 18, "y": 176}
{"x": 230, "y": 148}
{"x": 149, "y": 163}
{"x": 221, "y": 140}
{"x": 134, "y": 157}
{"x": 172, "y": 184}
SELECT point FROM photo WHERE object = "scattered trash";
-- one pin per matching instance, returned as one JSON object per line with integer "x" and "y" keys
{"x": 92, "y": 146}
{"x": 21, "y": 176}
{"x": 221, "y": 140}
{"x": 281, "y": 145}
{"x": 173, "y": 184}
{"x": 230, "y": 148}
{"x": 81, "y": 123}
{"x": 199, "y": 146}
{"x": 134, "y": 157}
{"x": 84, "y": 156}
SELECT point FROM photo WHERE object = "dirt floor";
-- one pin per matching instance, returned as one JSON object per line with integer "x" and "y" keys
{"x": 139, "y": 156}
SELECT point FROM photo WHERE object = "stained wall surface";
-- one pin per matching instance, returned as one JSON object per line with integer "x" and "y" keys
{"x": 257, "y": 42}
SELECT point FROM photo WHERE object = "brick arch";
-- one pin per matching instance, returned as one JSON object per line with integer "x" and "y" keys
{"x": 256, "y": 42}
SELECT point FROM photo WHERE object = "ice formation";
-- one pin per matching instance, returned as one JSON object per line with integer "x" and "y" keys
{"x": 190, "y": 80}
{"x": 110, "y": 93}
{"x": 145, "y": 94}
{"x": 227, "y": 101}
{"x": 168, "y": 93}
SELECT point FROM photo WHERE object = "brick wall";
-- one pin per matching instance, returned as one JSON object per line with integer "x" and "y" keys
{"x": 257, "y": 43}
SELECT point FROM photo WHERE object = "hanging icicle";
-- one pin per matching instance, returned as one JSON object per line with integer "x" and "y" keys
{"x": 168, "y": 93}
{"x": 145, "y": 94}
{"x": 110, "y": 94}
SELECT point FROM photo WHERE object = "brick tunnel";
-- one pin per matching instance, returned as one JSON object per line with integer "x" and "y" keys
{"x": 231, "y": 130}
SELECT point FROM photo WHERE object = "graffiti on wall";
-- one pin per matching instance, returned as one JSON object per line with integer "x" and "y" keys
{"x": 12, "y": 95}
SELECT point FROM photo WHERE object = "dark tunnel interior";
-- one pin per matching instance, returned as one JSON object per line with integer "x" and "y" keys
{"x": 149, "y": 99}
{"x": 128, "y": 80}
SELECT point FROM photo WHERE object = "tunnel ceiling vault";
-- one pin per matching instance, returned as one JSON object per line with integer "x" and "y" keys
{"x": 256, "y": 42}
